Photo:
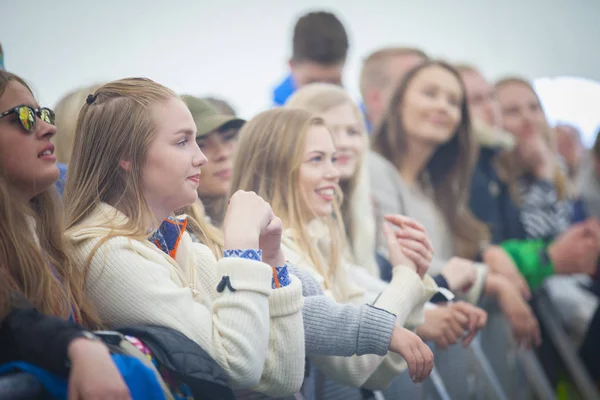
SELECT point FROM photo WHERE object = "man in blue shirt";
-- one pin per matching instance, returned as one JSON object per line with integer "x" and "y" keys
{"x": 320, "y": 47}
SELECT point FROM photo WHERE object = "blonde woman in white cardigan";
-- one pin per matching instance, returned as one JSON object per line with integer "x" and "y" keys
{"x": 287, "y": 156}
{"x": 135, "y": 162}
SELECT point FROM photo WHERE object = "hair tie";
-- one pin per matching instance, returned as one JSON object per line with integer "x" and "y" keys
{"x": 91, "y": 98}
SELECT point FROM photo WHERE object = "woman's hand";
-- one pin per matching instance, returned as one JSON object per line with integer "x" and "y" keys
{"x": 460, "y": 274}
{"x": 247, "y": 217}
{"x": 408, "y": 243}
{"x": 418, "y": 355}
{"x": 93, "y": 375}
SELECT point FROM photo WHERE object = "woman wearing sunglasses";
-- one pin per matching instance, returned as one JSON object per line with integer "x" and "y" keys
{"x": 34, "y": 266}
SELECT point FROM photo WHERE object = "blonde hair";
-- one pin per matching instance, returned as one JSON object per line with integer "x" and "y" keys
{"x": 511, "y": 166}
{"x": 357, "y": 208}
{"x": 34, "y": 258}
{"x": 463, "y": 68}
{"x": 449, "y": 170}
{"x": 374, "y": 73}
{"x": 66, "y": 112}
{"x": 117, "y": 125}
{"x": 273, "y": 145}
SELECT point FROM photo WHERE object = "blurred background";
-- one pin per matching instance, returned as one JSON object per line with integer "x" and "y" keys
{"x": 239, "y": 49}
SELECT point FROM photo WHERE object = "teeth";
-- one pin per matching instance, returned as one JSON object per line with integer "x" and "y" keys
{"x": 327, "y": 192}
{"x": 46, "y": 153}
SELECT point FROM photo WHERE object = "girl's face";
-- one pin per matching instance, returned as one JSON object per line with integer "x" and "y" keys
{"x": 350, "y": 142}
{"x": 26, "y": 158}
{"x": 522, "y": 113}
{"x": 319, "y": 176}
{"x": 432, "y": 106}
{"x": 171, "y": 174}
{"x": 219, "y": 148}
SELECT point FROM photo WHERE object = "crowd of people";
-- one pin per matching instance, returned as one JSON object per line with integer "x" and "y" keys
{"x": 324, "y": 249}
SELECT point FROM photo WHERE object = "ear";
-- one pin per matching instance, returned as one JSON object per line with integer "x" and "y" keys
{"x": 125, "y": 165}
{"x": 291, "y": 63}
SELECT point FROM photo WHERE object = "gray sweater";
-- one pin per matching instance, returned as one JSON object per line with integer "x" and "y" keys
{"x": 333, "y": 329}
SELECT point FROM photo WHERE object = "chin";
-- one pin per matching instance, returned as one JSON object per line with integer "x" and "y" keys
{"x": 325, "y": 211}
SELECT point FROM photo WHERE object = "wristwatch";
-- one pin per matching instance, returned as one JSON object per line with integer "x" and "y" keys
{"x": 90, "y": 336}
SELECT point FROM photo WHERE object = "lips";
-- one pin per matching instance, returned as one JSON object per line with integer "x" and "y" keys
{"x": 344, "y": 159}
{"x": 48, "y": 150}
{"x": 47, "y": 153}
{"x": 326, "y": 193}
{"x": 223, "y": 174}
{"x": 195, "y": 178}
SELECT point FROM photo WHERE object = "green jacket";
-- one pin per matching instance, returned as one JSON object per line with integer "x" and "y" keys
{"x": 531, "y": 258}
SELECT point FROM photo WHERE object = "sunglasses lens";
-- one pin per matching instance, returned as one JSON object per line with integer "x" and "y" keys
{"x": 47, "y": 115}
{"x": 27, "y": 118}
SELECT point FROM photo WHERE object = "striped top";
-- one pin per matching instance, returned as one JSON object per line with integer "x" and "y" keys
{"x": 543, "y": 215}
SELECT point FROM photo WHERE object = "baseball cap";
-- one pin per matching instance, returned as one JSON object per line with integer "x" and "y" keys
{"x": 207, "y": 118}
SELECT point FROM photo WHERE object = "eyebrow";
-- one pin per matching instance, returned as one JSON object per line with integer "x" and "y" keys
{"x": 187, "y": 132}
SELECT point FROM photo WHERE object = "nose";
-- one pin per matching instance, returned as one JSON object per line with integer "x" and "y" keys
{"x": 340, "y": 138}
{"x": 224, "y": 150}
{"x": 44, "y": 130}
{"x": 199, "y": 158}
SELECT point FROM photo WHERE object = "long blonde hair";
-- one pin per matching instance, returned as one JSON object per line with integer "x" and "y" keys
{"x": 449, "y": 171}
{"x": 117, "y": 125}
{"x": 357, "y": 209}
{"x": 67, "y": 110}
{"x": 34, "y": 258}
{"x": 511, "y": 167}
{"x": 271, "y": 151}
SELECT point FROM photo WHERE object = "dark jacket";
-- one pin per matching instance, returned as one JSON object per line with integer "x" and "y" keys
{"x": 187, "y": 360}
{"x": 491, "y": 202}
{"x": 26, "y": 335}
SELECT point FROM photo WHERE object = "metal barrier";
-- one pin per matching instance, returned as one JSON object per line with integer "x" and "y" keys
{"x": 520, "y": 372}
{"x": 564, "y": 346}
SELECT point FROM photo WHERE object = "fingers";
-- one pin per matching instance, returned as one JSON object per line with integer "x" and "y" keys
{"x": 420, "y": 362}
{"x": 402, "y": 221}
{"x": 415, "y": 235}
{"x": 457, "y": 328}
{"x": 469, "y": 338}
{"x": 411, "y": 361}
{"x": 418, "y": 247}
{"x": 429, "y": 358}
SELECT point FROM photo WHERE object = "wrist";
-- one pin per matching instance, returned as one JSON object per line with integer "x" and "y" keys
{"x": 278, "y": 260}
{"x": 81, "y": 346}
{"x": 236, "y": 243}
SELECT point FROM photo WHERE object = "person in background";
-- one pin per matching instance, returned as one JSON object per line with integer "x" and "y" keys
{"x": 535, "y": 177}
{"x": 492, "y": 202}
{"x": 1, "y": 58}
{"x": 589, "y": 180}
{"x": 319, "y": 51}
{"x": 571, "y": 149}
{"x": 381, "y": 73}
{"x": 423, "y": 170}
{"x": 67, "y": 111}
{"x": 216, "y": 135}
{"x": 221, "y": 106}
